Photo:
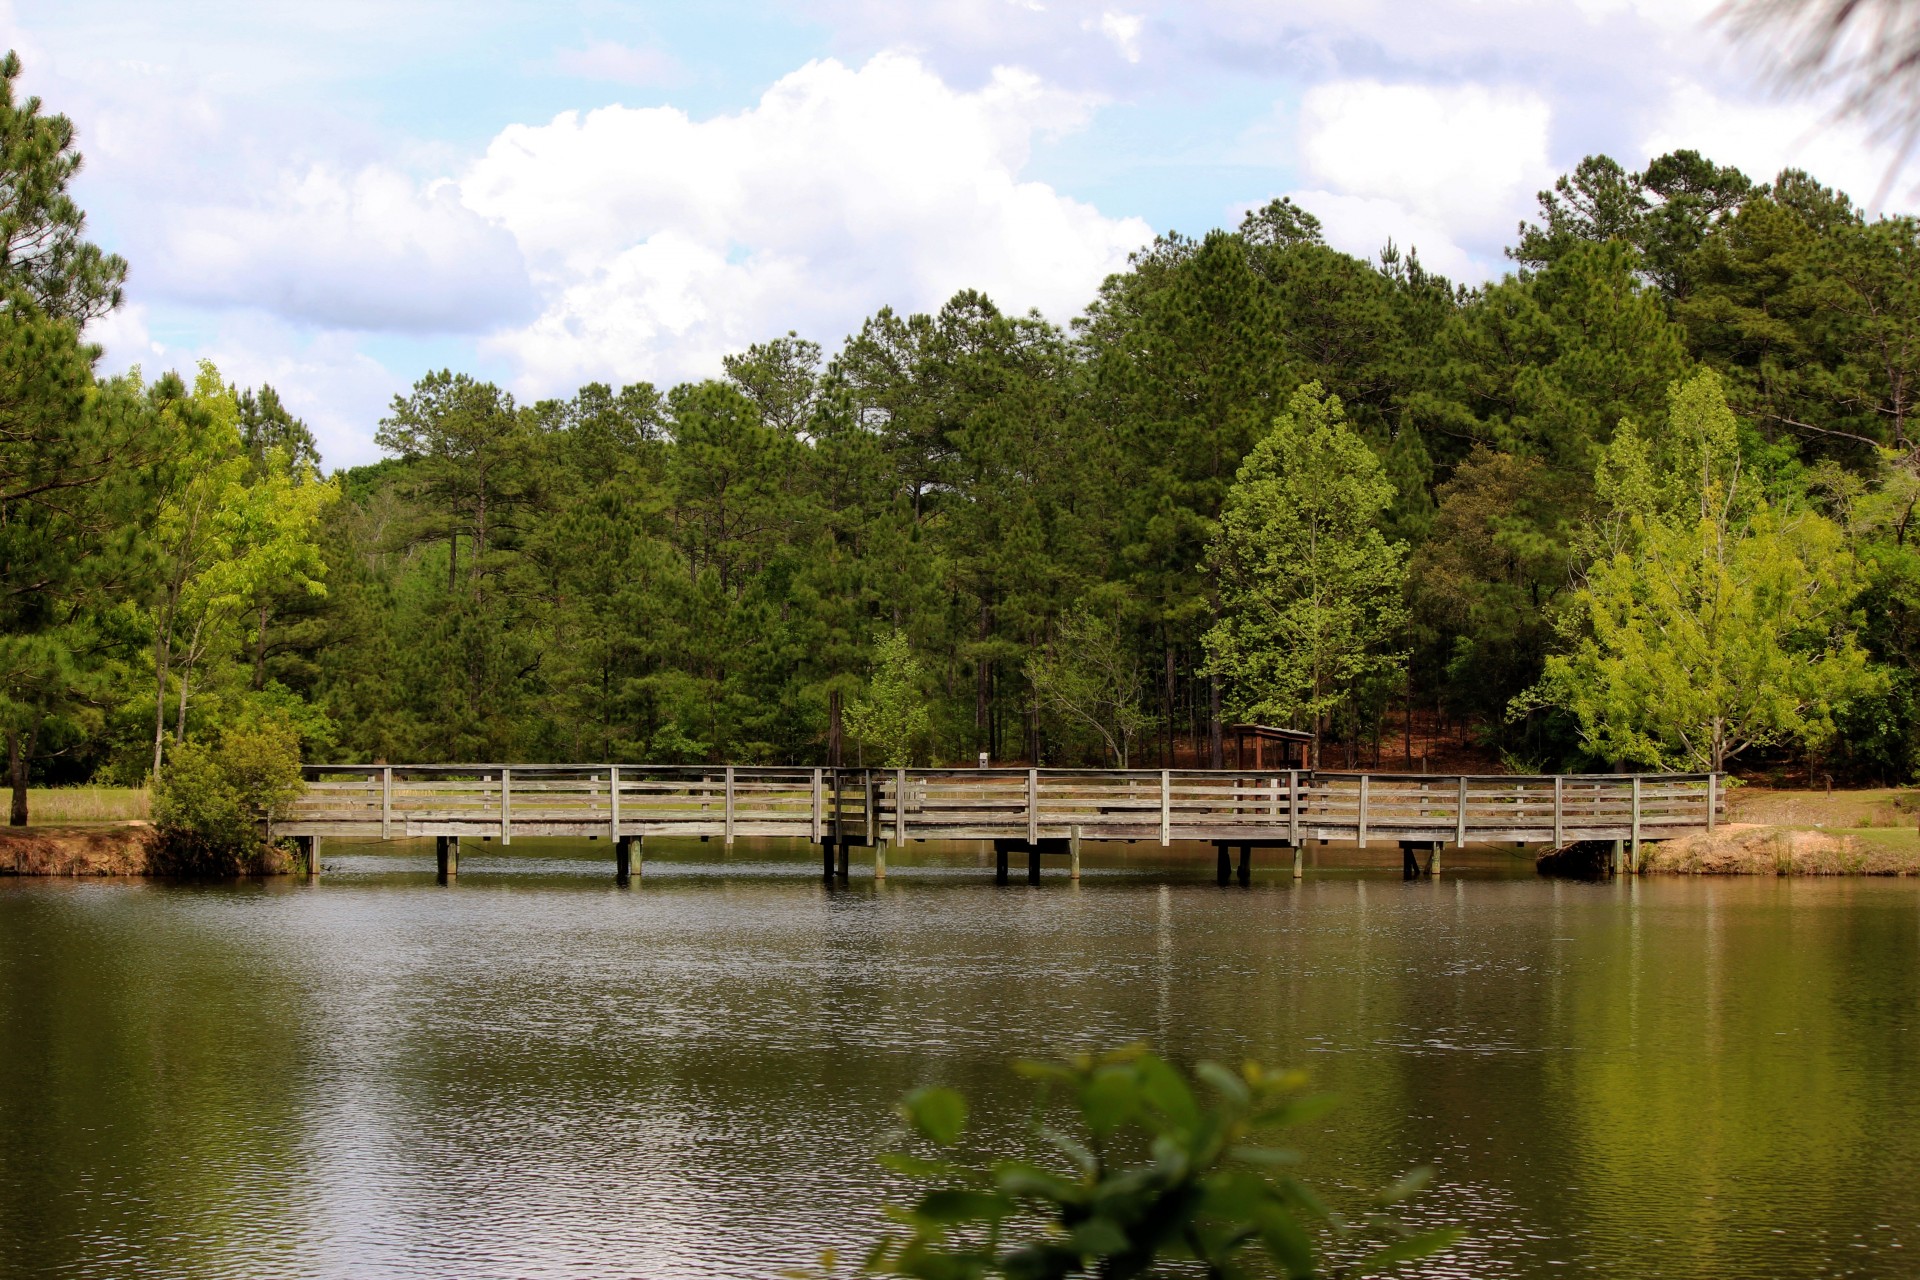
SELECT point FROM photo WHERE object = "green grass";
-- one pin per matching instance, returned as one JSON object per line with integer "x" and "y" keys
{"x": 59, "y": 806}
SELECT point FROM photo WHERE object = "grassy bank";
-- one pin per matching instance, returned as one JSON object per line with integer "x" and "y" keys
{"x": 69, "y": 806}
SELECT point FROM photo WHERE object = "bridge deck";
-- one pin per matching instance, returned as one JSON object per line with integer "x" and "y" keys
{"x": 863, "y": 806}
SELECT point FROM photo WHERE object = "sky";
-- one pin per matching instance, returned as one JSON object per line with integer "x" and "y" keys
{"x": 337, "y": 198}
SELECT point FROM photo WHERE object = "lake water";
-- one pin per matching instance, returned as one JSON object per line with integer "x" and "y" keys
{"x": 532, "y": 1073}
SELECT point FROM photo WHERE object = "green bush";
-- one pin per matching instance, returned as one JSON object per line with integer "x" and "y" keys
{"x": 1159, "y": 1173}
{"x": 216, "y": 804}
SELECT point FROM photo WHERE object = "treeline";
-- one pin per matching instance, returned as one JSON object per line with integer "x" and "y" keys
{"x": 1259, "y": 479}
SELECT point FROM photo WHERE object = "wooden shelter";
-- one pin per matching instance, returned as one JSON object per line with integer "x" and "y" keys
{"x": 1273, "y": 748}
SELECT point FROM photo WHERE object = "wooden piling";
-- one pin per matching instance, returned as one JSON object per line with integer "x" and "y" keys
{"x": 1033, "y": 863}
{"x": 880, "y": 860}
{"x": 446, "y": 856}
{"x": 1222, "y": 864}
{"x": 1299, "y": 861}
{"x": 623, "y": 859}
{"x": 826, "y": 860}
{"x": 1409, "y": 860}
{"x": 1073, "y": 854}
{"x": 1246, "y": 865}
{"x": 999, "y": 862}
{"x": 1433, "y": 858}
{"x": 310, "y": 849}
{"x": 846, "y": 857}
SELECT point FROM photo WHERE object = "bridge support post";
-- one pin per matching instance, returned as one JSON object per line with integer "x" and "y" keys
{"x": 1222, "y": 864}
{"x": 624, "y": 863}
{"x": 1299, "y": 861}
{"x": 1613, "y": 864}
{"x": 1246, "y": 865}
{"x": 1073, "y": 854}
{"x": 999, "y": 862}
{"x": 1033, "y": 864}
{"x": 826, "y": 861}
{"x": 1433, "y": 859}
{"x": 1409, "y": 860}
{"x": 846, "y": 856}
{"x": 880, "y": 860}
{"x": 446, "y": 856}
{"x": 309, "y": 847}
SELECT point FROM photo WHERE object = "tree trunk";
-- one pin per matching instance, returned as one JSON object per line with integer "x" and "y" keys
{"x": 982, "y": 730}
{"x": 161, "y": 656}
{"x": 17, "y": 774}
{"x": 1216, "y": 746}
{"x": 1170, "y": 703}
{"x": 260, "y": 652}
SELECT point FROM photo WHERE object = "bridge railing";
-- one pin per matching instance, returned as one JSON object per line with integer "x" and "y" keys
{"x": 860, "y": 806}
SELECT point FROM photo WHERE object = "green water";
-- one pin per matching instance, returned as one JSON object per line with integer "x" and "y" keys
{"x": 532, "y": 1073}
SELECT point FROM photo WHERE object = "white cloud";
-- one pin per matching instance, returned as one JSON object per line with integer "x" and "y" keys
{"x": 1763, "y": 138}
{"x": 1466, "y": 158}
{"x": 660, "y": 242}
{"x": 368, "y": 250}
{"x": 1124, "y": 30}
{"x": 1362, "y": 226}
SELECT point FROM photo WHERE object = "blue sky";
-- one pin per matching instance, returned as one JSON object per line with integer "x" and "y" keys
{"x": 336, "y": 198}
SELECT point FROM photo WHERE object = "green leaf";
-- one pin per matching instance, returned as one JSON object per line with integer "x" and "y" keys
{"x": 937, "y": 1114}
{"x": 1287, "y": 1243}
{"x": 951, "y": 1206}
{"x": 1272, "y": 1156}
{"x": 1224, "y": 1082}
{"x": 1099, "y": 1237}
{"x": 1414, "y": 1247}
{"x": 1413, "y": 1182}
{"x": 1295, "y": 1112}
{"x": 1018, "y": 1178}
{"x": 912, "y": 1166}
{"x": 1163, "y": 1089}
{"x": 1109, "y": 1099}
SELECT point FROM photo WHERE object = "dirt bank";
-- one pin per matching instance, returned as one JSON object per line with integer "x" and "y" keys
{"x": 1749, "y": 848}
{"x": 120, "y": 849}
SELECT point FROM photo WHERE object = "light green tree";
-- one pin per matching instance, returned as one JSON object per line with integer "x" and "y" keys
{"x": 1309, "y": 586}
{"x": 1091, "y": 678}
{"x": 221, "y": 543}
{"x": 893, "y": 717}
{"x": 1710, "y": 620}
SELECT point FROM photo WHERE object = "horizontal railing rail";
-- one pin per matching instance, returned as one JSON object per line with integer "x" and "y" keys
{"x": 863, "y": 806}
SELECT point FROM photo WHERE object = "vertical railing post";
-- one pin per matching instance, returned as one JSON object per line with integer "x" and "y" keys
{"x": 1293, "y": 807}
{"x": 1559, "y": 804}
{"x": 506, "y": 805}
{"x": 817, "y": 806}
{"x": 613, "y": 798}
{"x": 873, "y": 832}
{"x": 727, "y": 820}
{"x": 1460, "y": 815}
{"x": 1636, "y": 824}
{"x": 1713, "y": 780}
{"x": 1166, "y": 807}
{"x": 1033, "y": 805}
{"x": 386, "y": 801}
{"x": 900, "y": 807}
{"x": 1363, "y": 811}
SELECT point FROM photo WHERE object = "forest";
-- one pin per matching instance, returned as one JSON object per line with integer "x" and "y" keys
{"x": 1641, "y": 502}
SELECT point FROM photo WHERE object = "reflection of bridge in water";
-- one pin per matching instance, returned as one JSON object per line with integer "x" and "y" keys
{"x": 1035, "y": 811}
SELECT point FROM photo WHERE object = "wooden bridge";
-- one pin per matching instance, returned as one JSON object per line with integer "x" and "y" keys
{"x": 1036, "y": 811}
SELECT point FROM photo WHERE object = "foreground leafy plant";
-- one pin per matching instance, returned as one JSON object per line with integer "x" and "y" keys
{"x": 1160, "y": 1175}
